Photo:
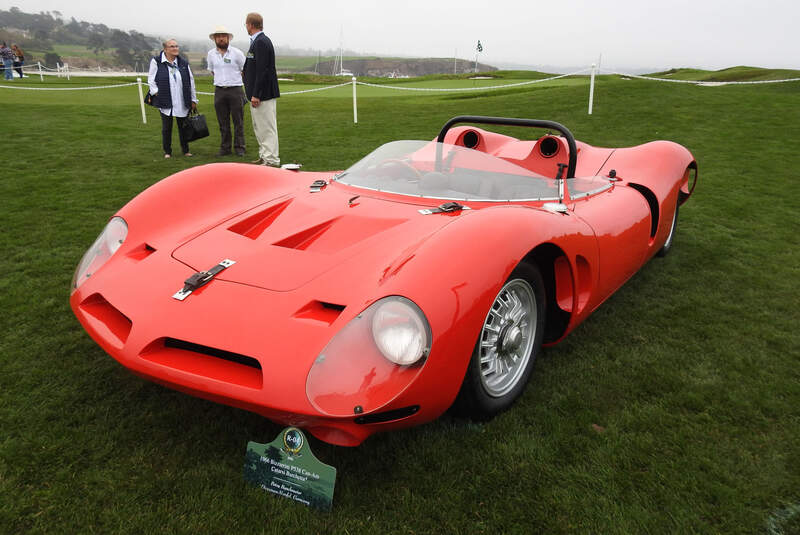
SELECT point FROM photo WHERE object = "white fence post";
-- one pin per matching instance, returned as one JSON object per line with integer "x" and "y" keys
{"x": 355, "y": 103}
{"x": 66, "y": 66}
{"x": 41, "y": 78}
{"x": 591, "y": 89}
{"x": 141, "y": 100}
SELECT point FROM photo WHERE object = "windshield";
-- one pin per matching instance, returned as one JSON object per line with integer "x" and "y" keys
{"x": 442, "y": 171}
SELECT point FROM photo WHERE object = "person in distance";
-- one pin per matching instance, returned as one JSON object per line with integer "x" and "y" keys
{"x": 226, "y": 63}
{"x": 261, "y": 86}
{"x": 19, "y": 59}
{"x": 172, "y": 87}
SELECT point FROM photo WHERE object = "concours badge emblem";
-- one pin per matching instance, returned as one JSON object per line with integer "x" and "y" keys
{"x": 292, "y": 440}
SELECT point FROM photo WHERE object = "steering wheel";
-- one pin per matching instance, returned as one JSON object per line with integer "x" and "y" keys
{"x": 401, "y": 164}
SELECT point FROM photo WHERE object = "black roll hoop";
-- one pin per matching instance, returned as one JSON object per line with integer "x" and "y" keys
{"x": 509, "y": 121}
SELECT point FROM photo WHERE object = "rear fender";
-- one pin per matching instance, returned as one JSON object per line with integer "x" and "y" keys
{"x": 659, "y": 166}
{"x": 664, "y": 173}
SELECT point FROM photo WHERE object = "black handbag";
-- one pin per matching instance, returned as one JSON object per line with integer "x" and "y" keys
{"x": 149, "y": 100}
{"x": 195, "y": 127}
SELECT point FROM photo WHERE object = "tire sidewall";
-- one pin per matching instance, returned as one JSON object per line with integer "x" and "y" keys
{"x": 671, "y": 237}
{"x": 473, "y": 399}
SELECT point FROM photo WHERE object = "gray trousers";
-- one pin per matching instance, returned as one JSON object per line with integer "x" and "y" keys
{"x": 229, "y": 104}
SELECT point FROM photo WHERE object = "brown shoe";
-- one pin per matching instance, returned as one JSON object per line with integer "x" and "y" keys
{"x": 258, "y": 162}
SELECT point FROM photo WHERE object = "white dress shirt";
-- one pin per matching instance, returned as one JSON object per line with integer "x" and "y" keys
{"x": 227, "y": 68}
{"x": 179, "y": 107}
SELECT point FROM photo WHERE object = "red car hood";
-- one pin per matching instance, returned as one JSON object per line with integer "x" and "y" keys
{"x": 285, "y": 243}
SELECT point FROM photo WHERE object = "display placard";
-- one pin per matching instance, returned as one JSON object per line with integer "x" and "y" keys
{"x": 287, "y": 467}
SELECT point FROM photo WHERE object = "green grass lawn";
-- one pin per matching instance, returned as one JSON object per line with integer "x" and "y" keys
{"x": 675, "y": 408}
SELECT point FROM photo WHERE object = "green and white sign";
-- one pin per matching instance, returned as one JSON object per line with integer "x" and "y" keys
{"x": 287, "y": 467}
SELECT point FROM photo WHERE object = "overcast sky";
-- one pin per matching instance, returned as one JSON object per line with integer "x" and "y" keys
{"x": 634, "y": 34}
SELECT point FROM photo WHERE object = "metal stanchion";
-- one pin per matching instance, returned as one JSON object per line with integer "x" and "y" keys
{"x": 141, "y": 100}
{"x": 355, "y": 103}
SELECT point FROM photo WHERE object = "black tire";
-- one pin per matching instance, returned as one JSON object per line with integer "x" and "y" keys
{"x": 487, "y": 390}
{"x": 671, "y": 238}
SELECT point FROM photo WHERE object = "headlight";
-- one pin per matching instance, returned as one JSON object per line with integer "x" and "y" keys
{"x": 101, "y": 250}
{"x": 371, "y": 360}
{"x": 400, "y": 330}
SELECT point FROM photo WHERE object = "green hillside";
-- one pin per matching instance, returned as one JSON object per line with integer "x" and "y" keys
{"x": 731, "y": 74}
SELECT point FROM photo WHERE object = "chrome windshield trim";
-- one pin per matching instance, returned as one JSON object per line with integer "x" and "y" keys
{"x": 601, "y": 189}
{"x": 470, "y": 199}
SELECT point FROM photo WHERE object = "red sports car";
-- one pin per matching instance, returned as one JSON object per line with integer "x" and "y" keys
{"x": 428, "y": 274}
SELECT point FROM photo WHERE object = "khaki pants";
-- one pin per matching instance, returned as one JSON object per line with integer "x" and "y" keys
{"x": 265, "y": 126}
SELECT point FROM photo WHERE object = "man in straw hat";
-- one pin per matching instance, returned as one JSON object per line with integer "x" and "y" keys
{"x": 226, "y": 63}
{"x": 261, "y": 86}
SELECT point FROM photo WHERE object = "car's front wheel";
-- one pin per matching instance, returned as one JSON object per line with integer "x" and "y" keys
{"x": 508, "y": 342}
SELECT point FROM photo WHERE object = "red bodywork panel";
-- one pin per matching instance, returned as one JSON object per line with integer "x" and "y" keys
{"x": 308, "y": 263}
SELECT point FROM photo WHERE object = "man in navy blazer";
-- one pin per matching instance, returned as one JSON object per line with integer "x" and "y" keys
{"x": 261, "y": 88}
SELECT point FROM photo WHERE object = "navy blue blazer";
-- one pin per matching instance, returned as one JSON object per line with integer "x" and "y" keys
{"x": 260, "y": 76}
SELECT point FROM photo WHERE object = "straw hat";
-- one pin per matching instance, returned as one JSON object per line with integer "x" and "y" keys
{"x": 220, "y": 30}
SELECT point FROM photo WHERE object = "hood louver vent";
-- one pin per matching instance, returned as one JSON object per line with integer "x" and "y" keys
{"x": 302, "y": 240}
{"x": 320, "y": 311}
{"x": 253, "y": 226}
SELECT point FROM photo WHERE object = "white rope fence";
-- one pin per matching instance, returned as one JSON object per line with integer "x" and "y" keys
{"x": 293, "y": 92}
{"x": 699, "y": 82}
{"x": 67, "y": 88}
{"x": 593, "y": 70}
{"x": 42, "y": 70}
{"x": 477, "y": 88}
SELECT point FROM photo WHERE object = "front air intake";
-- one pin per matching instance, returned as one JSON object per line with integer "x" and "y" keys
{"x": 211, "y": 352}
{"x": 107, "y": 320}
{"x": 205, "y": 361}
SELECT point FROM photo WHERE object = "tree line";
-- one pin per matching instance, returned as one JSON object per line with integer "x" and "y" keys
{"x": 40, "y": 31}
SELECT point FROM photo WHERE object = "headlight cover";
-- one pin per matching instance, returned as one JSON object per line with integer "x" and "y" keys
{"x": 371, "y": 360}
{"x": 104, "y": 247}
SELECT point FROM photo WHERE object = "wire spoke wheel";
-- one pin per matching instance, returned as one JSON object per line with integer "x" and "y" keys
{"x": 507, "y": 338}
